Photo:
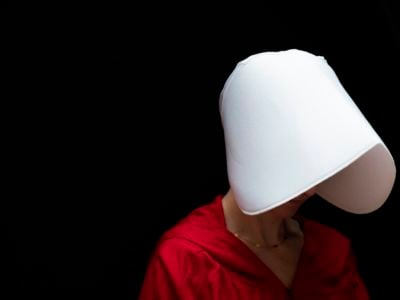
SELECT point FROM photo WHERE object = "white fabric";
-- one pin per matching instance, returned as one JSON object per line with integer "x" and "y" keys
{"x": 290, "y": 125}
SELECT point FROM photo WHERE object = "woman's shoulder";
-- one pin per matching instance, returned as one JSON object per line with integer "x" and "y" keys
{"x": 188, "y": 234}
{"x": 168, "y": 247}
{"x": 324, "y": 235}
{"x": 326, "y": 247}
{"x": 181, "y": 259}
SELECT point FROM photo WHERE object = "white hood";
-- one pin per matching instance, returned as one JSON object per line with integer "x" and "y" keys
{"x": 289, "y": 125}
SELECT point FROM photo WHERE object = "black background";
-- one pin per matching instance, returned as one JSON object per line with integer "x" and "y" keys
{"x": 113, "y": 131}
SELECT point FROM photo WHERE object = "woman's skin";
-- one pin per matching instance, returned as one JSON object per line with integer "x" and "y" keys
{"x": 267, "y": 228}
{"x": 274, "y": 227}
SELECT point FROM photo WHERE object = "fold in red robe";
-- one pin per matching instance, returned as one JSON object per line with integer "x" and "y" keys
{"x": 199, "y": 258}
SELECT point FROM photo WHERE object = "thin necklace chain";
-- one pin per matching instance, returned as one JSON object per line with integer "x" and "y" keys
{"x": 259, "y": 245}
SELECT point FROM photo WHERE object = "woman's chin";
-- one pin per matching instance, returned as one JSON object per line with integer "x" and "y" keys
{"x": 290, "y": 208}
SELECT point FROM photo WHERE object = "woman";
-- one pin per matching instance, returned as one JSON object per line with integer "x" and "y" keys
{"x": 290, "y": 131}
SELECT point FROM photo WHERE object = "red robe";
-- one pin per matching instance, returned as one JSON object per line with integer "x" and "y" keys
{"x": 200, "y": 259}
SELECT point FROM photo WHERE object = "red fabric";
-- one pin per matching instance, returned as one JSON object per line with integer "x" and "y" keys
{"x": 200, "y": 259}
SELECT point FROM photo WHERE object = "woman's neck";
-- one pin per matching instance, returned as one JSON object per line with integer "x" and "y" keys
{"x": 266, "y": 228}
